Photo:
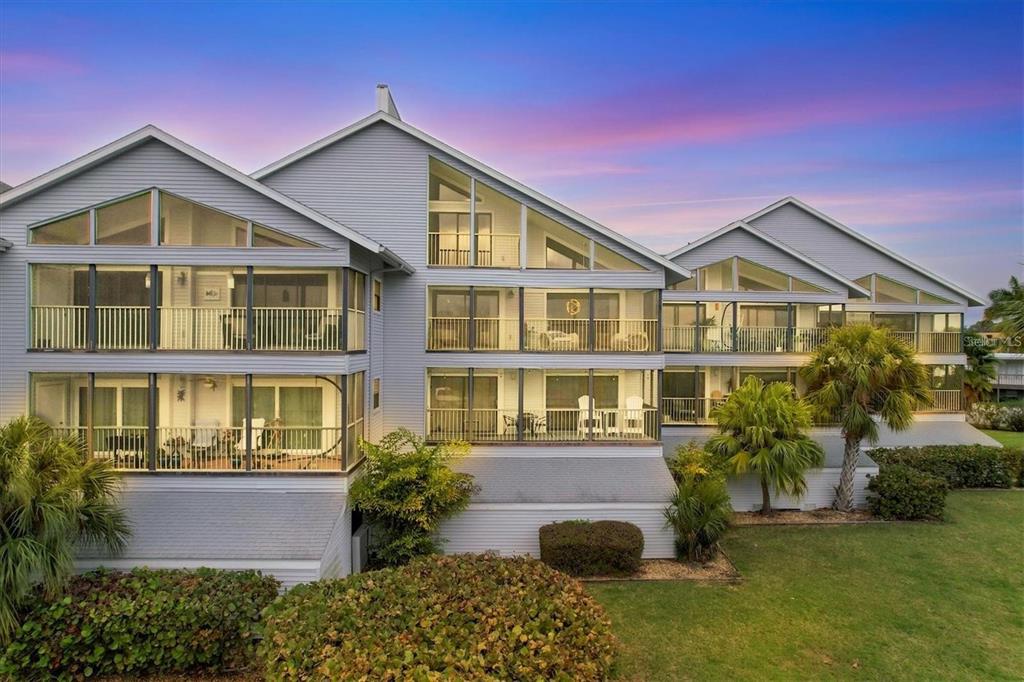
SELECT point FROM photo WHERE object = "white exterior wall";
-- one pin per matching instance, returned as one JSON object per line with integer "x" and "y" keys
{"x": 745, "y": 491}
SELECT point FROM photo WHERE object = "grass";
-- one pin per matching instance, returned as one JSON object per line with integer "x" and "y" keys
{"x": 1009, "y": 439}
{"x": 900, "y": 601}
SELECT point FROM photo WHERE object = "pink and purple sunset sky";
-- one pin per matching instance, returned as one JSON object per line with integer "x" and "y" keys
{"x": 663, "y": 121}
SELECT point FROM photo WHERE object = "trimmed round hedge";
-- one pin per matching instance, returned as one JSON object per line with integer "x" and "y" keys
{"x": 467, "y": 617}
{"x": 584, "y": 548}
{"x": 900, "y": 492}
{"x": 138, "y": 623}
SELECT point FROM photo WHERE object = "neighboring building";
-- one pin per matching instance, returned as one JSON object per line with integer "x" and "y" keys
{"x": 1009, "y": 383}
{"x": 226, "y": 339}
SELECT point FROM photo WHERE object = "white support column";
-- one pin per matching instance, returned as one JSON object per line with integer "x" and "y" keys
{"x": 472, "y": 222}
{"x": 522, "y": 236}
{"x": 154, "y": 225}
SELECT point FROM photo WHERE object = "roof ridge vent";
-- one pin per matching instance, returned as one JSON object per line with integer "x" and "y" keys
{"x": 385, "y": 102}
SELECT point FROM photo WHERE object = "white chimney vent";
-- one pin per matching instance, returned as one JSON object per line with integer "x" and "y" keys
{"x": 385, "y": 102}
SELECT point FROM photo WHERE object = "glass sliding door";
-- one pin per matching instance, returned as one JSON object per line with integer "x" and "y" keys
{"x": 294, "y": 309}
{"x": 448, "y": 318}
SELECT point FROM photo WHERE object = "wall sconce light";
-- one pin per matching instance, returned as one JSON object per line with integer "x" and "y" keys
{"x": 148, "y": 283}
{"x": 231, "y": 281}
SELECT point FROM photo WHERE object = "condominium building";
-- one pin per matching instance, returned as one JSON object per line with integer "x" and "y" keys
{"x": 226, "y": 339}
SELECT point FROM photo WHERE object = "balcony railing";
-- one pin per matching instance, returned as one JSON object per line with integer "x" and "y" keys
{"x": 497, "y": 250}
{"x": 1010, "y": 379}
{"x": 187, "y": 328}
{"x": 59, "y": 326}
{"x": 940, "y": 342}
{"x": 634, "y": 336}
{"x": 719, "y": 339}
{"x": 447, "y": 333}
{"x": 688, "y": 410}
{"x": 122, "y": 327}
{"x": 945, "y": 400}
{"x": 301, "y": 329}
{"x": 449, "y": 248}
{"x": 557, "y": 334}
{"x": 191, "y": 328}
{"x": 496, "y": 333}
{"x": 212, "y": 448}
{"x": 545, "y": 425}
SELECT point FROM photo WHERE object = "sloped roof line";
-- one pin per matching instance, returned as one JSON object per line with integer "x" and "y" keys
{"x": 782, "y": 246}
{"x": 483, "y": 168}
{"x": 151, "y": 132}
{"x": 971, "y": 296}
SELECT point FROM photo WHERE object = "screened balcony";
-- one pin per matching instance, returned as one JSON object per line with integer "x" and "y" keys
{"x": 472, "y": 318}
{"x": 587, "y": 320}
{"x": 483, "y": 405}
{"x": 209, "y": 422}
{"x": 197, "y": 308}
{"x": 725, "y": 327}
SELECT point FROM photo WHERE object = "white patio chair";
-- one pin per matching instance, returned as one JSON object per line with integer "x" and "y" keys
{"x": 204, "y": 438}
{"x": 631, "y": 420}
{"x": 585, "y": 422}
{"x": 258, "y": 425}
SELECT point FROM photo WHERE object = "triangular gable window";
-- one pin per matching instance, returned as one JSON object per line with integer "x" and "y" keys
{"x": 886, "y": 290}
{"x": 740, "y": 274}
{"x": 264, "y": 237}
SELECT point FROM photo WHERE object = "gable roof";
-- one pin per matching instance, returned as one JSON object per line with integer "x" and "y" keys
{"x": 793, "y": 201}
{"x": 772, "y": 241}
{"x": 151, "y": 132}
{"x": 383, "y": 116}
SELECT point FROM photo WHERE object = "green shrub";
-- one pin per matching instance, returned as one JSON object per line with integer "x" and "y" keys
{"x": 139, "y": 623}
{"x": 961, "y": 466}
{"x": 900, "y": 492}
{"x": 583, "y": 548}
{"x": 466, "y": 617}
{"x": 691, "y": 461}
{"x": 1013, "y": 460}
{"x": 699, "y": 515}
{"x": 406, "y": 490}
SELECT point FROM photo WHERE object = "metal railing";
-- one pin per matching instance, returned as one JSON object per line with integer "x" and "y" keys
{"x": 688, "y": 410}
{"x": 680, "y": 339}
{"x": 633, "y": 336}
{"x": 122, "y": 327}
{"x": 557, "y": 334}
{"x": 496, "y": 333}
{"x": 543, "y": 425}
{"x": 497, "y": 250}
{"x": 214, "y": 448}
{"x": 297, "y": 329}
{"x": 806, "y": 339}
{"x": 59, "y": 326}
{"x": 447, "y": 333}
{"x": 762, "y": 339}
{"x": 940, "y": 342}
{"x": 716, "y": 339}
{"x": 193, "y": 328}
{"x": 945, "y": 400}
{"x": 1010, "y": 379}
{"x": 908, "y": 338}
{"x": 448, "y": 248}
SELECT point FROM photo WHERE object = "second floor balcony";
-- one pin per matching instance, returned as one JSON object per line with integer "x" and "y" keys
{"x": 541, "y": 320}
{"x": 137, "y": 308}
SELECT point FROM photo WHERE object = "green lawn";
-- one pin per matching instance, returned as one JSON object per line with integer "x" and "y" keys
{"x": 1009, "y": 439}
{"x": 907, "y": 601}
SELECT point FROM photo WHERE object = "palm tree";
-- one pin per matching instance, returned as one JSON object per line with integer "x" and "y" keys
{"x": 860, "y": 373}
{"x": 51, "y": 498}
{"x": 763, "y": 428}
{"x": 981, "y": 368}
{"x": 1007, "y": 309}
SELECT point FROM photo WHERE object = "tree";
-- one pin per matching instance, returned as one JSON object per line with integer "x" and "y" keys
{"x": 763, "y": 428}
{"x": 862, "y": 372}
{"x": 1007, "y": 309}
{"x": 981, "y": 368}
{"x": 51, "y": 497}
{"x": 406, "y": 490}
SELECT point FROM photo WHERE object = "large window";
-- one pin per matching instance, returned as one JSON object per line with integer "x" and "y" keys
{"x": 886, "y": 290}
{"x": 754, "y": 277}
{"x": 182, "y": 222}
{"x": 739, "y": 274}
{"x": 606, "y": 259}
{"x": 125, "y": 222}
{"x": 72, "y": 230}
{"x": 449, "y": 194}
{"x": 355, "y": 415}
{"x": 186, "y": 223}
{"x": 717, "y": 276}
{"x": 356, "y": 310}
{"x": 498, "y": 221}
